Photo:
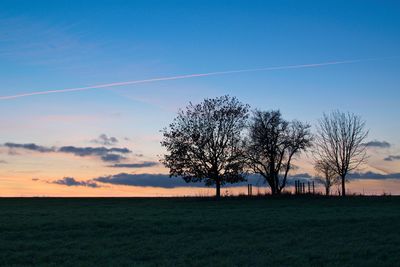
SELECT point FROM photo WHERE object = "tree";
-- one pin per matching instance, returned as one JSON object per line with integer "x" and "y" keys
{"x": 272, "y": 144}
{"x": 205, "y": 142}
{"x": 328, "y": 173}
{"x": 340, "y": 142}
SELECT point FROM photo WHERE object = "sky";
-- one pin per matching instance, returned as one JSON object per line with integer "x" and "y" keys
{"x": 106, "y": 141}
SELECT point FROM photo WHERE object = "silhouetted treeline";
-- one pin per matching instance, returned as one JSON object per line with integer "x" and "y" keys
{"x": 220, "y": 141}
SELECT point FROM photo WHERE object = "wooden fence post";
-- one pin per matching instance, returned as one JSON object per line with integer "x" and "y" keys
{"x": 249, "y": 189}
{"x": 313, "y": 188}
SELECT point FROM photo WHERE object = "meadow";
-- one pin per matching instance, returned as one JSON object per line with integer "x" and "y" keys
{"x": 268, "y": 231}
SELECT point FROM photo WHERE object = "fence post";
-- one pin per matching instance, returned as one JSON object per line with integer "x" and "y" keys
{"x": 308, "y": 183}
{"x": 313, "y": 188}
{"x": 249, "y": 189}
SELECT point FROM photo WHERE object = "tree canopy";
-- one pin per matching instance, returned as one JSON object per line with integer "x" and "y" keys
{"x": 272, "y": 144}
{"x": 340, "y": 143}
{"x": 204, "y": 143}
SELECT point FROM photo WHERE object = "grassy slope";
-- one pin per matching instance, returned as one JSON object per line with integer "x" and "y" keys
{"x": 200, "y": 232}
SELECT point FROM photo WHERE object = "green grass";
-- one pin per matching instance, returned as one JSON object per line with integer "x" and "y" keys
{"x": 286, "y": 231}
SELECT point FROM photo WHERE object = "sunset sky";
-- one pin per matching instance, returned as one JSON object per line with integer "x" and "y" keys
{"x": 106, "y": 141}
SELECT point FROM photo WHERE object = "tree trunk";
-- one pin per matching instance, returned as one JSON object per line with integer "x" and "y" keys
{"x": 343, "y": 186}
{"x": 327, "y": 189}
{"x": 274, "y": 189}
{"x": 278, "y": 190}
{"x": 218, "y": 189}
{"x": 273, "y": 192}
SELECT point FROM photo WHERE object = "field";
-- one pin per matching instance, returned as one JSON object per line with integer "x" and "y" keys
{"x": 285, "y": 231}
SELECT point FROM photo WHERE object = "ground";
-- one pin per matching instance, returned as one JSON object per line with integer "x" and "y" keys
{"x": 284, "y": 231}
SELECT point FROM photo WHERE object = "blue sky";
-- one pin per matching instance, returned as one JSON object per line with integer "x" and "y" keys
{"x": 50, "y": 45}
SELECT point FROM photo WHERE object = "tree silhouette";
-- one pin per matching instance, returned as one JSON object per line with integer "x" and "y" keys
{"x": 205, "y": 143}
{"x": 328, "y": 173}
{"x": 272, "y": 144}
{"x": 340, "y": 142}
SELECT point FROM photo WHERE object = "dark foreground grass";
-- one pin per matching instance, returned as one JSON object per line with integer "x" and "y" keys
{"x": 287, "y": 231}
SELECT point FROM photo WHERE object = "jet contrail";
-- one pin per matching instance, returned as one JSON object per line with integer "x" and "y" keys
{"x": 115, "y": 84}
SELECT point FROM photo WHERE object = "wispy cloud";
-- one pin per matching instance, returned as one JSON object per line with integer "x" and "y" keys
{"x": 179, "y": 77}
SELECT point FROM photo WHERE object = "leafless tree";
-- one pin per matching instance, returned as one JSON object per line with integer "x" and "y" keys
{"x": 272, "y": 144}
{"x": 327, "y": 174}
{"x": 205, "y": 142}
{"x": 340, "y": 142}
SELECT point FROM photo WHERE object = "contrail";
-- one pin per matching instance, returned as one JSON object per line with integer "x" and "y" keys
{"x": 179, "y": 77}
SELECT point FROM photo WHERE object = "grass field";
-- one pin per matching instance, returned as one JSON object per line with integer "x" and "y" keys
{"x": 286, "y": 231}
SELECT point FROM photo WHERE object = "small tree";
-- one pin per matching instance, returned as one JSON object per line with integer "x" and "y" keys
{"x": 272, "y": 144}
{"x": 340, "y": 142}
{"x": 204, "y": 142}
{"x": 328, "y": 173}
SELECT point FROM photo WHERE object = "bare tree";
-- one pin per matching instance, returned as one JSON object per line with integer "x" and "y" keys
{"x": 340, "y": 142}
{"x": 272, "y": 144}
{"x": 205, "y": 142}
{"x": 327, "y": 174}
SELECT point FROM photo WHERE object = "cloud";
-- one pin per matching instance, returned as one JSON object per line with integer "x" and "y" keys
{"x": 113, "y": 154}
{"x": 304, "y": 177}
{"x": 103, "y": 139}
{"x": 179, "y": 77}
{"x": 70, "y": 181}
{"x": 112, "y": 157}
{"x": 106, "y": 154}
{"x": 31, "y": 146}
{"x": 3, "y": 162}
{"x": 164, "y": 181}
{"x": 135, "y": 165}
{"x": 88, "y": 151}
{"x": 352, "y": 176}
{"x": 392, "y": 158}
{"x": 373, "y": 176}
{"x": 300, "y": 175}
{"x": 147, "y": 180}
{"x": 378, "y": 144}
